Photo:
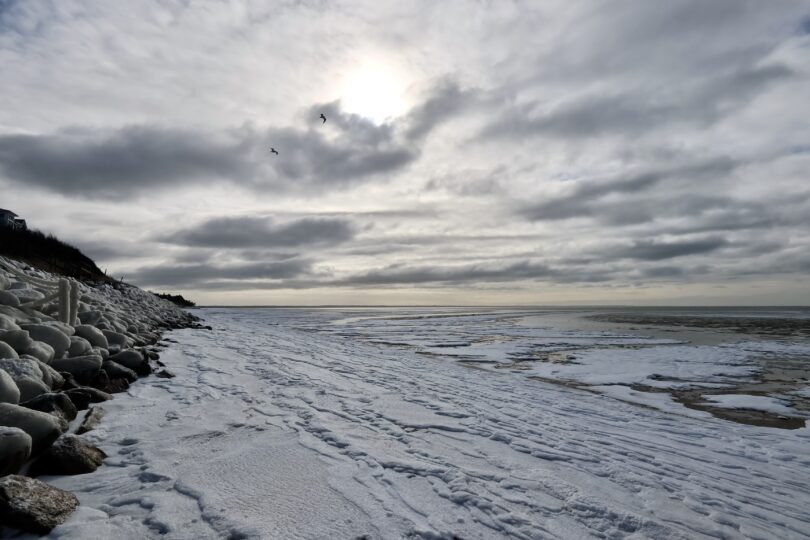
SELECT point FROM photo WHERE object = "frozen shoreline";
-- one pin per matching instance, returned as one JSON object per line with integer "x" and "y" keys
{"x": 281, "y": 424}
{"x": 64, "y": 347}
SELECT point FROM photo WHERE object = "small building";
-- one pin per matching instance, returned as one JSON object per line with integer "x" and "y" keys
{"x": 10, "y": 219}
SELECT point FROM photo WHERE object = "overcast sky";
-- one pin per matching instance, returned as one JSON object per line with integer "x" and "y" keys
{"x": 476, "y": 152}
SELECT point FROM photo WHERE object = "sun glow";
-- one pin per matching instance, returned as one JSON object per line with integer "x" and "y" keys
{"x": 375, "y": 90}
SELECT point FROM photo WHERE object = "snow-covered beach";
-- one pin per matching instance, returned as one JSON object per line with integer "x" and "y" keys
{"x": 386, "y": 423}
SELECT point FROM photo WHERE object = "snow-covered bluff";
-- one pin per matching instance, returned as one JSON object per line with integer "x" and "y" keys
{"x": 65, "y": 345}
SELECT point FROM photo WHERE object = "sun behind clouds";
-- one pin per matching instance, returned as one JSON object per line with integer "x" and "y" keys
{"x": 374, "y": 89}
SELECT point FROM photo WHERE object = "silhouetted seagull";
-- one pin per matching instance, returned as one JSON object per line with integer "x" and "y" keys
{"x": 274, "y": 151}
{"x": 323, "y": 118}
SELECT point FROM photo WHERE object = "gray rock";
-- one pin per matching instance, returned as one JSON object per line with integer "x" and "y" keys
{"x": 7, "y": 322}
{"x": 19, "y": 340}
{"x": 80, "y": 398}
{"x": 68, "y": 455}
{"x": 92, "y": 334}
{"x": 26, "y": 295}
{"x": 115, "y": 338}
{"x": 53, "y": 403}
{"x": 165, "y": 374}
{"x": 101, "y": 351}
{"x": 33, "y": 506}
{"x": 15, "y": 449}
{"x": 91, "y": 420}
{"x": 8, "y": 299}
{"x": 133, "y": 360}
{"x": 6, "y": 351}
{"x": 50, "y": 335}
{"x": 89, "y": 317}
{"x": 83, "y": 368}
{"x": 26, "y": 375}
{"x": 9, "y": 392}
{"x": 79, "y": 346}
{"x": 40, "y": 350}
{"x": 117, "y": 371}
{"x": 42, "y": 427}
{"x": 50, "y": 376}
{"x": 30, "y": 388}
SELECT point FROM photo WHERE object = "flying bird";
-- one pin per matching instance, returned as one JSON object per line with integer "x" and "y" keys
{"x": 273, "y": 150}
{"x": 323, "y": 118}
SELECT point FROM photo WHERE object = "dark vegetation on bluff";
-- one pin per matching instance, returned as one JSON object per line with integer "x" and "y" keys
{"x": 177, "y": 299}
{"x": 48, "y": 253}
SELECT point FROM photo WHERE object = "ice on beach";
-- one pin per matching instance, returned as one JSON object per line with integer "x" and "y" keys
{"x": 660, "y": 366}
{"x": 755, "y": 403}
{"x": 282, "y": 424}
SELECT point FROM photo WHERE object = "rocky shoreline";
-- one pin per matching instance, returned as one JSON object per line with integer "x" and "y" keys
{"x": 62, "y": 353}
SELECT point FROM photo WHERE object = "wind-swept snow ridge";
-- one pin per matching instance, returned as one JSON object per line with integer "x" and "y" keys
{"x": 281, "y": 424}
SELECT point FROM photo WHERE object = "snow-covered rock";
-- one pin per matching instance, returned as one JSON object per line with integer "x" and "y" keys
{"x": 15, "y": 449}
{"x": 50, "y": 335}
{"x": 9, "y": 299}
{"x": 6, "y": 351}
{"x": 42, "y": 427}
{"x": 9, "y": 393}
{"x": 92, "y": 334}
{"x": 83, "y": 368}
{"x": 40, "y": 350}
{"x": 27, "y": 376}
{"x": 79, "y": 346}
{"x": 19, "y": 340}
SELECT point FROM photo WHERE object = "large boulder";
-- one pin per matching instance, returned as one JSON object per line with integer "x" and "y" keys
{"x": 7, "y": 322}
{"x": 42, "y": 427}
{"x": 81, "y": 398}
{"x": 115, "y": 338}
{"x": 117, "y": 371}
{"x": 68, "y": 455}
{"x": 53, "y": 403}
{"x": 133, "y": 360}
{"x": 27, "y": 376}
{"x": 50, "y": 376}
{"x": 33, "y": 506}
{"x": 62, "y": 327}
{"x": 9, "y": 392}
{"x": 9, "y": 299}
{"x": 79, "y": 346}
{"x": 6, "y": 351}
{"x": 84, "y": 369}
{"x": 19, "y": 340}
{"x": 40, "y": 350}
{"x": 92, "y": 334}
{"x": 50, "y": 335}
{"x": 26, "y": 295}
{"x": 15, "y": 449}
{"x": 90, "y": 317}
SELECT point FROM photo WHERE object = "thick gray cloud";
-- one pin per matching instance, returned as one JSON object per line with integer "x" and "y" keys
{"x": 587, "y": 198}
{"x": 201, "y": 275}
{"x": 652, "y": 250}
{"x": 113, "y": 164}
{"x": 261, "y": 232}
{"x": 487, "y": 146}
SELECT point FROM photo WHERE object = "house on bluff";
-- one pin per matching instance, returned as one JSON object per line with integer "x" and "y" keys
{"x": 10, "y": 219}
